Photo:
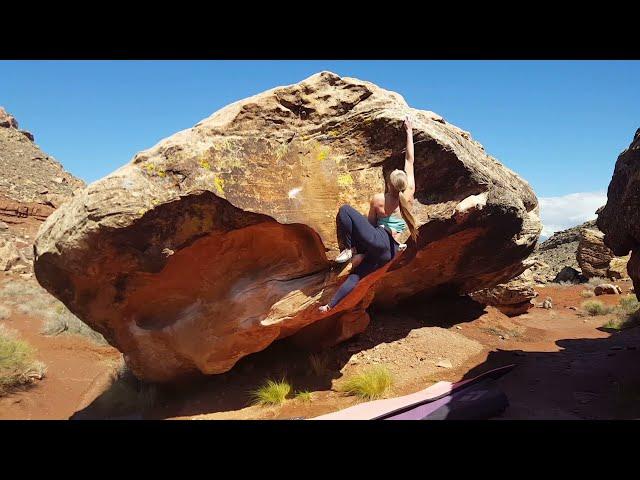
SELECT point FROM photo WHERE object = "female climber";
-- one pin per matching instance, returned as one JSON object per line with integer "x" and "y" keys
{"x": 370, "y": 242}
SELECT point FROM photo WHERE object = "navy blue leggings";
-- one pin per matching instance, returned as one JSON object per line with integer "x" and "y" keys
{"x": 377, "y": 245}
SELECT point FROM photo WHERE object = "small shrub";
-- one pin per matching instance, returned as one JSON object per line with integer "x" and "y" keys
{"x": 271, "y": 393}
{"x": 628, "y": 314}
{"x": 595, "y": 307}
{"x": 595, "y": 281}
{"x": 60, "y": 320}
{"x": 613, "y": 324}
{"x": 18, "y": 367}
{"x": 304, "y": 396}
{"x": 369, "y": 384}
{"x": 5, "y": 312}
{"x": 319, "y": 363}
{"x": 587, "y": 294}
{"x": 629, "y": 304}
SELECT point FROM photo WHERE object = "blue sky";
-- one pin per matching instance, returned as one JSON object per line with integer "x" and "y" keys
{"x": 559, "y": 124}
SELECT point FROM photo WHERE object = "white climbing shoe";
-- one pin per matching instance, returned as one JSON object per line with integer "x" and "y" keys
{"x": 324, "y": 308}
{"x": 344, "y": 256}
{"x": 402, "y": 247}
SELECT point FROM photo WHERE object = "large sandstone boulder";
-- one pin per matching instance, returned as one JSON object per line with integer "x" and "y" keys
{"x": 593, "y": 255}
{"x": 217, "y": 241}
{"x": 620, "y": 218}
{"x": 570, "y": 275}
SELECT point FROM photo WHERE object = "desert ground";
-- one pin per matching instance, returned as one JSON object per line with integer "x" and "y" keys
{"x": 570, "y": 365}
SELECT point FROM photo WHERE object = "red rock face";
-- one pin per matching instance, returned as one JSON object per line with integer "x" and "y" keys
{"x": 620, "y": 218}
{"x": 218, "y": 241}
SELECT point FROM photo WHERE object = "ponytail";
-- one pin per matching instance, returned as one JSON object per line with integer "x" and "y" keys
{"x": 408, "y": 216}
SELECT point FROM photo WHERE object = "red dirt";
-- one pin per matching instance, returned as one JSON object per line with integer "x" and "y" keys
{"x": 73, "y": 363}
{"x": 567, "y": 368}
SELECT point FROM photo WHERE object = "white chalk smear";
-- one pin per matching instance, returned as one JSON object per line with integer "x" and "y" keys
{"x": 294, "y": 192}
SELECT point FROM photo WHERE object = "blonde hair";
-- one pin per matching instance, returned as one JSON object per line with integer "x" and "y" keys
{"x": 399, "y": 181}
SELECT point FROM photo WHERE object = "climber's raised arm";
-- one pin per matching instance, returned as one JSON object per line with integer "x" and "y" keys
{"x": 376, "y": 201}
{"x": 408, "y": 160}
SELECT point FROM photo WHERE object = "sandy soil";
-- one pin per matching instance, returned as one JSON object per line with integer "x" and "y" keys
{"x": 73, "y": 364}
{"x": 568, "y": 366}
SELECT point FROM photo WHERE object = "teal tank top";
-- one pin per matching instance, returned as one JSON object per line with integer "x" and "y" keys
{"x": 394, "y": 221}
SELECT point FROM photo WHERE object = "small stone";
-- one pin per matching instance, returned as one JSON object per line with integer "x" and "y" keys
{"x": 458, "y": 327}
{"x": 444, "y": 364}
{"x": 501, "y": 337}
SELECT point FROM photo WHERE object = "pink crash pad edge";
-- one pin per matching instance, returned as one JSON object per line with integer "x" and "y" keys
{"x": 376, "y": 408}
{"x": 371, "y": 410}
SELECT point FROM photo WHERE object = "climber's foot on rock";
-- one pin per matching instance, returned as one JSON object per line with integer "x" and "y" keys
{"x": 344, "y": 256}
{"x": 402, "y": 247}
{"x": 324, "y": 308}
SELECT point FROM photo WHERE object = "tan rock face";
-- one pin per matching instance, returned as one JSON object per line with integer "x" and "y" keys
{"x": 618, "y": 268}
{"x": 593, "y": 255}
{"x": 620, "y": 218}
{"x": 9, "y": 254}
{"x": 511, "y": 298}
{"x": 607, "y": 289}
{"x": 217, "y": 241}
{"x": 7, "y": 120}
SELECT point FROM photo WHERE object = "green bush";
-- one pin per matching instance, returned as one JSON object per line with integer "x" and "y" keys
{"x": 271, "y": 393}
{"x": 369, "y": 384}
{"x": 18, "y": 366}
{"x": 595, "y": 307}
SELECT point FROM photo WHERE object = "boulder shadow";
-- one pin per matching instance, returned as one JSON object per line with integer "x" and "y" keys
{"x": 303, "y": 370}
{"x": 588, "y": 378}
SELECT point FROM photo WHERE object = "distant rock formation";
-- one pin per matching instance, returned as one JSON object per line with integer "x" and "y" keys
{"x": 593, "y": 255}
{"x": 32, "y": 186}
{"x": 577, "y": 254}
{"x": 511, "y": 298}
{"x": 559, "y": 251}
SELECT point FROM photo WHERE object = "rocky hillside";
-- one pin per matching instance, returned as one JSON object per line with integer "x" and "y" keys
{"x": 32, "y": 185}
{"x": 27, "y": 174}
{"x": 559, "y": 250}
